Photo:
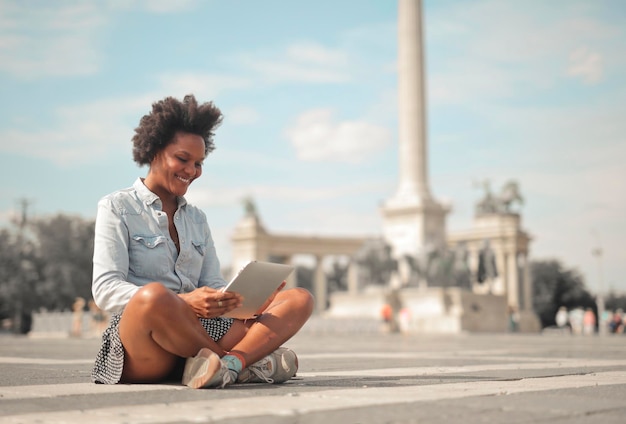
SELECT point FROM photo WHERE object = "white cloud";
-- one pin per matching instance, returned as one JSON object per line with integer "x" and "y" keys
{"x": 81, "y": 134}
{"x": 209, "y": 193}
{"x": 242, "y": 115}
{"x": 585, "y": 64}
{"x": 494, "y": 50}
{"x": 154, "y": 6}
{"x": 202, "y": 85}
{"x": 41, "y": 38}
{"x": 300, "y": 62}
{"x": 317, "y": 137}
{"x": 84, "y": 132}
{"x": 50, "y": 38}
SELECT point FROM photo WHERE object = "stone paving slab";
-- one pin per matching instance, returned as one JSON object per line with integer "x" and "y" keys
{"x": 368, "y": 377}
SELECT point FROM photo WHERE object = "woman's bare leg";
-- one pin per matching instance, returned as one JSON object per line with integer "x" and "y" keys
{"x": 258, "y": 338}
{"x": 156, "y": 328}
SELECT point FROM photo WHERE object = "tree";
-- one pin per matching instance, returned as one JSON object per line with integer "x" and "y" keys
{"x": 615, "y": 301}
{"x": 554, "y": 287}
{"x": 9, "y": 265}
{"x": 19, "y": 274}
{"x": 44, "y": 262}
{"x": 65, "y": 248}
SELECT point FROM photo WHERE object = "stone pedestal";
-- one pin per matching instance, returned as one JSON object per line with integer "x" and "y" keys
{"x": 432, "y": 310}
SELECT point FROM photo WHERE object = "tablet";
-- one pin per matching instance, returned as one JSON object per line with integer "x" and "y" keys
{"x": 256, "y": 282}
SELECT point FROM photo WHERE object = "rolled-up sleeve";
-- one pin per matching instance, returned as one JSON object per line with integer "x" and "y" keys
{"x": 110, "y": 288}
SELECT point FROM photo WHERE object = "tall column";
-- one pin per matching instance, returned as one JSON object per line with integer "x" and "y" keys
{"x": 320, "y": 285}
{"x": 412, "y": 219}
{"x": 412, "y": 102}
{"x": 528, "y": 285}
{"x": 512, "y": 282}
{"x": 353, "y": 278}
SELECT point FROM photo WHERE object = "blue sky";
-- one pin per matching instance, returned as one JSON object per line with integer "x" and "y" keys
{"x": 529, "y": 90}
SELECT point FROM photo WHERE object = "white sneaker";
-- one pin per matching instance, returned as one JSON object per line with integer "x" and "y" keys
{"x": 277, "y": 367}
{"x": 206, "y": 369}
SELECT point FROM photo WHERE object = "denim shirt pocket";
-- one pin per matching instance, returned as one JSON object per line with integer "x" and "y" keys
{"x": 199, "y": 246}
{"x": 149, "y": 255}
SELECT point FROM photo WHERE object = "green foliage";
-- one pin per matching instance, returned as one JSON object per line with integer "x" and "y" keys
{"x": 47, "y": 262}
{"x": 554, "y": 287}
{"x": 614, "y": 302}
{"x": 66, "y": 251}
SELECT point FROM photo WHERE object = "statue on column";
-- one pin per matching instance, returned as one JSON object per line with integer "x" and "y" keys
{"x": 376, "y": 263}
{"x": 487, "y": 269}
{"x": 423, "y": 266}
{"x": 337, "y": 277}
{"x": 460, "y": 269}
{"x": 249, "y": 207}
{"x": 500, "y": 203}
{"x": 439, "y": 267}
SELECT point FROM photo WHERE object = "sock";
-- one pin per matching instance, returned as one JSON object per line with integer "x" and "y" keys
{"x": 234, "y": 361}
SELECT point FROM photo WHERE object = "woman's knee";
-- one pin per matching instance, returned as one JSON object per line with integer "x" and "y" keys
{"x": 152, "y": 295}
{"x": 301, "y": 298}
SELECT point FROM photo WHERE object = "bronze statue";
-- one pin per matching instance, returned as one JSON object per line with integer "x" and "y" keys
{"x": 501, "y": 203}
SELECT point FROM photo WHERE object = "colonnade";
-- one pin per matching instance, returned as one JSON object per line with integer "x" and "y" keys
{"x": 251, "y": 241}
{"x": 502, "y": 234}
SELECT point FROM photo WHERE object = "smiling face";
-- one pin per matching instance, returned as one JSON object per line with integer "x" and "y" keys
{"x": 176, "y": 166}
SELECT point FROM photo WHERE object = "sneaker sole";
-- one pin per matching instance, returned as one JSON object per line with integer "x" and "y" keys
{"x": 201, "y": 368}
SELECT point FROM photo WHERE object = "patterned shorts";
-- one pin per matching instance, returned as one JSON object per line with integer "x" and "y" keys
{"x": 110, "y": 359}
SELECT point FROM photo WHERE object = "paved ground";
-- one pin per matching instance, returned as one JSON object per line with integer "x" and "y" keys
{"x": 347, "y": 375}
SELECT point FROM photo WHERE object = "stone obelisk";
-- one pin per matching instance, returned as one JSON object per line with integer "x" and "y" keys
{"x": 412, "y": 218}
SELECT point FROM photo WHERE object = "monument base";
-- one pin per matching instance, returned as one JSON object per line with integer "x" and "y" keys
{"x": 529, "y": 322}
{"x": 429, "y": 310}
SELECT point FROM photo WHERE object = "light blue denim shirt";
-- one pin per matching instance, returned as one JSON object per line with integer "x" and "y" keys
{"x": 133, "y": 247}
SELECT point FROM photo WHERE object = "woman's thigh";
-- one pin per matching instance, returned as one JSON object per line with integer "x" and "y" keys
{"x": 144, "y": 359}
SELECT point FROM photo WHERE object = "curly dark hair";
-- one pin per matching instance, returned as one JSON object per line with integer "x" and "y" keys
{"x": 157, "y": 129}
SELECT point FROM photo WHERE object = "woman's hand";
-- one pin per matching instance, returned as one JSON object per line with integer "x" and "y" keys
{"x": 271, "y": 298}
{"x": 210, "y": 303}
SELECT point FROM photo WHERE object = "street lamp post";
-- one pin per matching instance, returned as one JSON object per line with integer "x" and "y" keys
{"x": 602, "y": 329}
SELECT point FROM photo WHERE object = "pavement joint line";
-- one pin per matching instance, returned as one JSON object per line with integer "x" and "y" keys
{"x": 317, "y": 401}
{"x": 70, "y": 389}
{"x": 50, "y": 391}
{"x": 353, "y": 355}
{"x": 44, "y": 361}
{"x": 435, "y": 370}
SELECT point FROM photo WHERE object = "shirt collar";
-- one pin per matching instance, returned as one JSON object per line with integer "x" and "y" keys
{"x": 148, "y": 197}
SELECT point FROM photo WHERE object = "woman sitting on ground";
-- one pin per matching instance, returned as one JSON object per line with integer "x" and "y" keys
{"x": 155, "y": 269}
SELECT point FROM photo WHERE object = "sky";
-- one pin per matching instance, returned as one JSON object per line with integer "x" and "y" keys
{"x": 532, "y": 91}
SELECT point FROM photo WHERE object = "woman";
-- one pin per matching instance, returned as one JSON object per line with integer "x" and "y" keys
{"x": 156, "y": 270}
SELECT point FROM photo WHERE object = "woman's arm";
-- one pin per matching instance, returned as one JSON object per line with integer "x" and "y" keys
{"x": 109, "y": 287}
{"x": 211, "y": 274}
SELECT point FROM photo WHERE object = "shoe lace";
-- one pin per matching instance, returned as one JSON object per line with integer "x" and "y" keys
{"x": 227, "y": 378}
{"x": 259, "y": 373}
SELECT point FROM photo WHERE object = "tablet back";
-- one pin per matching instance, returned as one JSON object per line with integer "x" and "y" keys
{"x": 256, "y": 282}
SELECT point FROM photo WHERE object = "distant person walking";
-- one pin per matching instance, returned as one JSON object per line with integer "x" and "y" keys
{"x": 155, "y": 269}
{"x": 616, "y": 325}
{"x": 589, "y": 322}
{"x": 78, "y": 310}
{"x": 562, "y": 318}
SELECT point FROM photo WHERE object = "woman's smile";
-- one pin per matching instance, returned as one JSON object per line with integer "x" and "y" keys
{"x": 184, "y": 180}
